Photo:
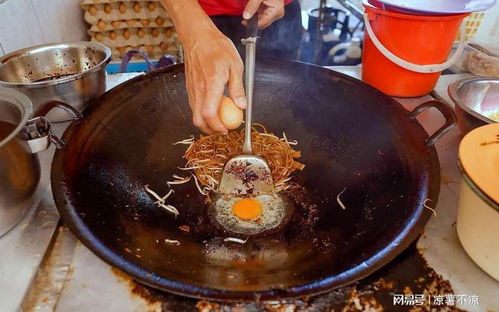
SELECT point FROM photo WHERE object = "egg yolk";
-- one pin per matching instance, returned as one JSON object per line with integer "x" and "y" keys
{"x": 247, "y": 208}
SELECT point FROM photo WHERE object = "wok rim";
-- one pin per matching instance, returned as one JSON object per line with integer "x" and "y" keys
{"x": 403, "y": 238}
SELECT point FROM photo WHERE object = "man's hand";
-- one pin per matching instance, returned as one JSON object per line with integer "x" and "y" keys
{"x": 269, "y": 11}
{"x": 211, "y": 63}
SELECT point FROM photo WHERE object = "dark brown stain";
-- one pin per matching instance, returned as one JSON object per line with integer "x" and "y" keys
{"x": 446, "y": 180}
{"x": 54, "y": 76}
{"x": 409, "y": 273}
{"x": 491, "y": 142}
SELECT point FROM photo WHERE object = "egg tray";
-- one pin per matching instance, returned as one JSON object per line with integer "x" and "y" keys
{"x": 135, "y": 36}
{"x": 134, "y": 23}
{"x": 153, "y": 51}
{"x": 127, "y": 10}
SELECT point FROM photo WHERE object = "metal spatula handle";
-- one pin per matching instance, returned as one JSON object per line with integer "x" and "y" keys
{"x": 249, "y": 81}
{"x": 249, "y": 75}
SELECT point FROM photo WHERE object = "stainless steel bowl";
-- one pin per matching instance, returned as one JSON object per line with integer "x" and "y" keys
{"x": 72, "y": 73}
{"x": 19, "y": 168}
{"x": 476, "y": 102}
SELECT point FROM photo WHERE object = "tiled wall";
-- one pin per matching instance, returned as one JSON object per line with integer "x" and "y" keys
{"x": 24, "y": 23}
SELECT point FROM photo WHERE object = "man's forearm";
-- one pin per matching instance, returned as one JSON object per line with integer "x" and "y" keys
{"x": 189, "y": 19}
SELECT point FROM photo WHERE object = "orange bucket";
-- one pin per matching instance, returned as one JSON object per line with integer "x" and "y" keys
{"x": 404, "y": 54}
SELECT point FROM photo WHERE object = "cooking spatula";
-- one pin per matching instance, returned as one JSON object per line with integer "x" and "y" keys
{"x": 248, "y": 173}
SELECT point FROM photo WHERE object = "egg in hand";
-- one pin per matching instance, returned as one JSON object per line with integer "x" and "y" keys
{"x": 230, "y": 115}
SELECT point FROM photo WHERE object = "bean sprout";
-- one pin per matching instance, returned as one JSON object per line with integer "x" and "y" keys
{"x": 160, "y": 201}
{"x": 428, "y": 207}
{"x": 172, "y": 241}
{"x": 178, "y": 180}
{"x": 339, "y": 200}
{"x": 236, "y": 240}
{"x": 188, "y": 141}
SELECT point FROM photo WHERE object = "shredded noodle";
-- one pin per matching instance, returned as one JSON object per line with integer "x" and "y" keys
{"x": 207, "y": 156}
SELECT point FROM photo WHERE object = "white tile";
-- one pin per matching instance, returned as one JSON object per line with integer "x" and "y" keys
{"x": 19, "y": 25}
{"x": 61, "y": 20}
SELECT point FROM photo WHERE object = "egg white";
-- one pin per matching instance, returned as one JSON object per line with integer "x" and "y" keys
{"x": 273, "y": 213}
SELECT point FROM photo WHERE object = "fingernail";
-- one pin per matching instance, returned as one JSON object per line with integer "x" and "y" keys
{"x": 241, "y": 102}
{"x": 246, "y": 15}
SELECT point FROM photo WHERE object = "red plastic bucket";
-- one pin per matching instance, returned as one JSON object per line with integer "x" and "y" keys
{"x": 404, "y": 54}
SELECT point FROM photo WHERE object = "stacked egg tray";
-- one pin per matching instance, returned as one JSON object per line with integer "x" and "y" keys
{"x": 126, "y": 24}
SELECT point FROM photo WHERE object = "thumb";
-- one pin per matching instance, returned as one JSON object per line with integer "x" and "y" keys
{"x": 236, "y": 88}
{"x": 251, "y": 8}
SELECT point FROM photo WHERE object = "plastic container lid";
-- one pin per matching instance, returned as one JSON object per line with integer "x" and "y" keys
{"x": 432, "y": 7}
{"x": 479, "y": 158}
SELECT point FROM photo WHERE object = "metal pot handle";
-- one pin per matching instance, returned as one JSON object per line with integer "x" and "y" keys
{"x": 37, "y": 131}
{"x": 445, "y": 110}
{"x": 44, "y": 109}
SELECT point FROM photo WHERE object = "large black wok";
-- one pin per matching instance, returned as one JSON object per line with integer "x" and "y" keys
{"x": 351, "y": 136}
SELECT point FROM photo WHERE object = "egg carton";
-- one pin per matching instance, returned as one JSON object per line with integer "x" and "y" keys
{"x": 122, "y": 24}
{"x": 135, "y": 36}
{"x": 89, "y": 2}
{"x": 128, "y": 10}
{"x": 153, "y": 51}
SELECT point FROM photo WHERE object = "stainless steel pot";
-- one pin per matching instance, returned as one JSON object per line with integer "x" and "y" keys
{"x": 72, "y": 73}
{"x": 476, "y": 102}
{"x": 19, "y": 168}
{"x": 20, "y": 138}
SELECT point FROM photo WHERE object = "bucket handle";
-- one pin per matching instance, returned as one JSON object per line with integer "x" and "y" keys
{"x": 425, "y": 69}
